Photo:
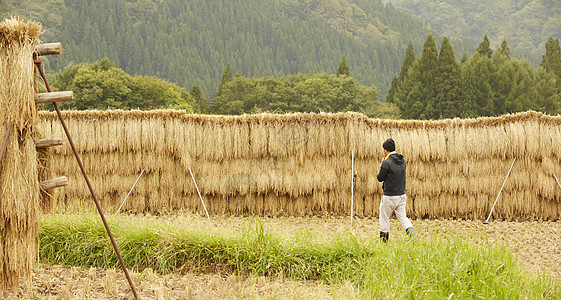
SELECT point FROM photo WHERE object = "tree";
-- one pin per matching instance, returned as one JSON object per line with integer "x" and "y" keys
{"x": 504, "y": 50}
{"x": 546, "y": 97}
{"x": 484, "y": 47}
{"x": 227, "y": 76}
{"x": 310, "y": 92}
{"x": 478, "y": 96}
{"x": 103, "y": 86}
{"x": 199, "y": 100}
{"x": 343, "y": 67}
{"x": 428, "y": 72}
{"x": 551, "y": 60}
{"x": 448, "y": 86}
{"x": 397, "y": 81}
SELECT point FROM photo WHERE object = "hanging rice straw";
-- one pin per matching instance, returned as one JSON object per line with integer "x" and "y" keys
{"x": 19, "y": 183}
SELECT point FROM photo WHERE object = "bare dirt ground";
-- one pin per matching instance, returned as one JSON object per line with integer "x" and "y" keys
{"x": 537, "y": 245}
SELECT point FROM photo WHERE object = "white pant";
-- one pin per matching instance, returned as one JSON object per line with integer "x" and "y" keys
{"x": 389, "y": 205}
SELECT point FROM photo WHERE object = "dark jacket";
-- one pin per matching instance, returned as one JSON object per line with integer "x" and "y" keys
{"x": 392, "y": 173}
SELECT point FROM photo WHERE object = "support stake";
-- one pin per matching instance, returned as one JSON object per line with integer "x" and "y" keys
{"x": 199, "y": 193}
{"x": 129, "y": 192}
{"x": 487, "y": 221}
{"x": 97, "y": 205}
{"x": 559, "y": 184}
{"x": 6, "y": 136}
{"x": 352, "y": 182}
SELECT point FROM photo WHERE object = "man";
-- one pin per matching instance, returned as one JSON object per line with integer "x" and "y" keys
{"x": 392, "y": 174}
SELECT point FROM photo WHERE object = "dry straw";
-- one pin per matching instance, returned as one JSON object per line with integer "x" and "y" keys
{"x": 299, "y": 164}
{"x": 19, "y": 184}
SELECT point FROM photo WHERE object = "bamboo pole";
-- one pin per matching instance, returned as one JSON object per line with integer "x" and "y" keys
{"x": 487, "y": 221}
{"x": 204, "y": 206}
{"x": 129, "y": 192}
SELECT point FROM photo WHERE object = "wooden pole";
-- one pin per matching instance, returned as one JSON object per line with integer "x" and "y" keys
{"x": 487, "y": 221}
{"x": 48, "y": 49}
{"x": 204, "y": 206}
{"x": 90, "y": 187}
{"x": 45, "y": 143}
{"x": 54, "y": 96}
{"x": 53, "y": 183}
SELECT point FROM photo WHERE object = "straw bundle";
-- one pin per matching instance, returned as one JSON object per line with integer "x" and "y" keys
{"x": 19, "y": 185}
{"x": 300, "y": 164}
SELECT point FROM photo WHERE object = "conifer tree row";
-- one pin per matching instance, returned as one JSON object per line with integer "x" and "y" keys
{"x": 488, "y": 83}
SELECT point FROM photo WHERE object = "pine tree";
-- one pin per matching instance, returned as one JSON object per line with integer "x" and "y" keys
{"x": 504, "y": 50}
{"x": 397, "y": 81}
{"x": 428, "y": 71}
{"x": 197, "y": 95}
{"x": 227, "y": 76}
{"x": 390, "y": 98}
{"x": 448, "y": 86}
{"x": 484, "y": 47}
{"x": 464, "y": 58}
{"x": 551, "y": 60}
{"x": 407, "y": 61}
{"x": 343, "y": 67}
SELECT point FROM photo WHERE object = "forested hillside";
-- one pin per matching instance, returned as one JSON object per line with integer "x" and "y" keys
{"x": 489, "y": 83}
{"x": 189, "y": 42}
{"x": 526, "y": 24}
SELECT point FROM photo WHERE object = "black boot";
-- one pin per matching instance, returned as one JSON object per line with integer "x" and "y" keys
{"x": 384, "y": 236}
{"x": 410, "y": 232}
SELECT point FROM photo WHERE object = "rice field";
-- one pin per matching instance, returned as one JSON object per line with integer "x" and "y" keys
{"x": 534, "y": 243}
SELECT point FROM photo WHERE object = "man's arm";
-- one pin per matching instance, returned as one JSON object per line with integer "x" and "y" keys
{"x": 383, "y": 172}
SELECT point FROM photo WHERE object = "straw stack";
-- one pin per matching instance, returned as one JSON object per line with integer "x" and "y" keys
{"x": 19, "y": 185}
{"x": 300, "y": 164}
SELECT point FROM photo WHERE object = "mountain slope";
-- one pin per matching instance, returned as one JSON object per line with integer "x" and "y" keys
{"x": 526, "y": 24}
{"x": 190, "y": 42}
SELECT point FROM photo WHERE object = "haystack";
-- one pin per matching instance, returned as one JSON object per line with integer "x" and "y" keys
{"x": 19, "y": 184}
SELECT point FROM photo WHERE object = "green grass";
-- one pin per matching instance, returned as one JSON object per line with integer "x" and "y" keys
{"x": 418, "y": 269}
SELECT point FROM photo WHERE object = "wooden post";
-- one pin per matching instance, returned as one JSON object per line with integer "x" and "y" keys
{"x": 54, "y": 96}
{"x": 53, "y": 183}
{"x": 45, "y": 143}
{"x": 48, "y": 49}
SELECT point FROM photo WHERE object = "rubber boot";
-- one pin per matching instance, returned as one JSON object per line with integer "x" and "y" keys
{"x": 410, "y": 232}
{"x": 384, "y": 236}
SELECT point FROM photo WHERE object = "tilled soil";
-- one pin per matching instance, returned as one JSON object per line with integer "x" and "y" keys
{"x": 536, "y": 243}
